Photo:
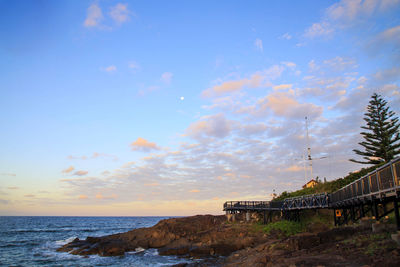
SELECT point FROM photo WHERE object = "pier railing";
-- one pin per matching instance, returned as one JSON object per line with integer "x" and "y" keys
{"x": 252, "y": 205}
{"x": 382, "y": 183}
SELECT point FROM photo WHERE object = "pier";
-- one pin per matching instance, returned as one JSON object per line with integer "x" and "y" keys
{"x": 378, "y": 192}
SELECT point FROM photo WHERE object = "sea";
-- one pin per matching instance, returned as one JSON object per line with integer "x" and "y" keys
{"x": 33, "y": 241}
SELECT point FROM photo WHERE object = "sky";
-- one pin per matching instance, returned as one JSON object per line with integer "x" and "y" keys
{"x": 140, "y": 108}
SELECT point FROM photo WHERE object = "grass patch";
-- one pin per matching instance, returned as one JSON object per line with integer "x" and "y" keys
{"x": 287, "y": 228}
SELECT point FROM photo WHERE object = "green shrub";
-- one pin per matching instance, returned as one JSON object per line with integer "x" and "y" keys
{"x": 287, "y": 228}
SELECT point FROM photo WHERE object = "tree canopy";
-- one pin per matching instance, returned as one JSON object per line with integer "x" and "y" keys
{"x": 381, "y": 135}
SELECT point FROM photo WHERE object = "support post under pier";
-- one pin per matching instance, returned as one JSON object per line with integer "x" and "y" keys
{"x": 396, "y": 213}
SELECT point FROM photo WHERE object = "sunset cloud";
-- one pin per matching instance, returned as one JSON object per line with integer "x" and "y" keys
{"x": 8, "y": 174}
{"x": 210, "y": 126}
{"x": 142, "y": 144}
{"x": 152, "y": 184}
{"x": 194, "y": 191}
{"x": 68, "y": 170}
{"x": 13, "y": 187}
{"x": 258, "y": 79}
{"x": 81, "y": 173}
{"x": 286, "y": 105}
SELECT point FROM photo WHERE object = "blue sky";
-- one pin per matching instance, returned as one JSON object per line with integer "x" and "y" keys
{"x": 173, "y": 107}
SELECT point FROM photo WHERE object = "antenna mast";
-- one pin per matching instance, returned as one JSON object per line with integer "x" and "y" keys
{"x": 309, "y": 150}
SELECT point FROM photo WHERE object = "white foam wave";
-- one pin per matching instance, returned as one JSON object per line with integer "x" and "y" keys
{"x": 65, "y": 241}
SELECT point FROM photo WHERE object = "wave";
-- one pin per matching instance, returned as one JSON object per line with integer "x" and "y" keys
{"x": 65, "y": 241}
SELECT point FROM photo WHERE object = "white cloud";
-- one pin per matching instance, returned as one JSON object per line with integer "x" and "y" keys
{"x": 94, "y": 16}
{"x": 111, "y": 68}
{"x": 166, "y": 77}
{"x": 387, "y": 42}
{"x": 289, "y": 64}
{"x": 120, "y": 13}
{"x": 286, "y": 36}
{"x": 319, "y": 29}
{"x": 133, "y": 66}
{"x": 258, "y": 44}
{"x": 350, "y": 10}
{"x": 340, "y": 63}
{"x": 346, "y": 13}
{"x": 312, "y": 66}
{"x": 388, "y": 75}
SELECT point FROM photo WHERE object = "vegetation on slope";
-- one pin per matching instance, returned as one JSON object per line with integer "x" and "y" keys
{"x": 328, "y": 187}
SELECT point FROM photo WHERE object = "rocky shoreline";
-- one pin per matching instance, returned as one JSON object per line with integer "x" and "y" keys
{"x": 219, "y": 242}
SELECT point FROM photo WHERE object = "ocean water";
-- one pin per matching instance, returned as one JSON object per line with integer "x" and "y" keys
{"x": 32, "y": 241}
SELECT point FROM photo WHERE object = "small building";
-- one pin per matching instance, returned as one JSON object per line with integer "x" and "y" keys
{"x": 311, "y": 183}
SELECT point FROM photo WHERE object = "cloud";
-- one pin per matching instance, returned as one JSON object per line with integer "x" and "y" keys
{"x": 194, "y": 191}
{"x": 152, "y": 184}
{"x": 388, "y": 75}
{"x": 340, "y": 63}
{"x": 111, "y": 68}
{"x": 142, "y": 144}
{"x": 81, "y": 173}
{"x": 82, "y": 197}
{"x": 13, "y": 187}
{"x": 391, "y": 35}
{"x": 120, "y": 13}
{"x": 8, "y": 174}
{"x": 210, "y": 126}
{"x": 387, "y": 42}
{"x": 166, "y": 77}
{"x": 285, "y": 104}
{"x": 29, "y": 196}
{"x": 252, "y": 129}
{"x": 289, "y": 64}
{"x": 347, "y": 13}
{"x": 4, "y": 201}
{"x": 286, "y": 36}
{"x": 68, "y": 170}
{"x": 94, "y": 16}
{"x": 282, "y": 87}
{"x": 294, "y": 168}
{"x": 96, "y": 155}
{"x": 258, "y": 44}
{"x": 76, "y": 157}
{"x": 319, "y": 29}
{"x": 101, "y": 196}
{"x": 134, "y": 66}
{"x": 312, "y": 66}
{"x": 258, "y": 79}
